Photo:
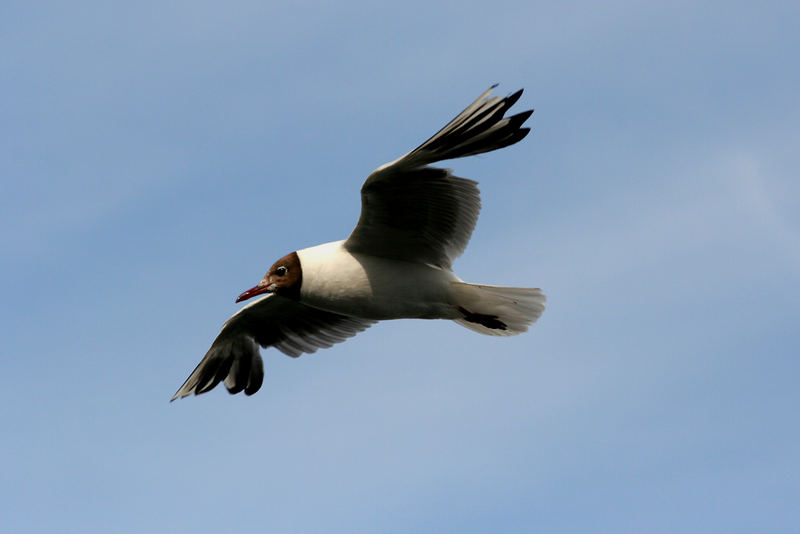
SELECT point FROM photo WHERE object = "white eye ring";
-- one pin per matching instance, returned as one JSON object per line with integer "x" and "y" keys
{"x": 281, "y": 271}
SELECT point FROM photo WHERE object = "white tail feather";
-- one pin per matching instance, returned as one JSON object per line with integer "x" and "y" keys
{"x": 497, "y": 310}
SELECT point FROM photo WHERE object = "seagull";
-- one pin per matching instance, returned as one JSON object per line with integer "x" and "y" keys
{"x": 397, "y": 263}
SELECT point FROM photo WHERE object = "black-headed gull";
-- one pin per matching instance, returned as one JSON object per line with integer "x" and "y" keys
{"x": 415, "y": 220}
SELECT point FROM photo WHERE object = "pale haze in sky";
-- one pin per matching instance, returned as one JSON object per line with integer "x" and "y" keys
{"x": 156, "y": 158}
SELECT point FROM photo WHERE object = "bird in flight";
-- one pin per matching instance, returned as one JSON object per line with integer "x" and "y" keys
{"x": 397, "y": 263}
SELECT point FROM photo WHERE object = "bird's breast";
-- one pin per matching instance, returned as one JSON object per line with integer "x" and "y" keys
{"x": 371, "y": 287}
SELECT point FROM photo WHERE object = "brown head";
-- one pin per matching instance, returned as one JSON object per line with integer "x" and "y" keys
{"x": 284, "y": 278}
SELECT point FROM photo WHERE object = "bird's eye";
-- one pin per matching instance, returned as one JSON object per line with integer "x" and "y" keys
{"x": 281, "y": 271}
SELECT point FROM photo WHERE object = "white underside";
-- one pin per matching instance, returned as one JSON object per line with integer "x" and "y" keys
{"x": 374, "y": 288}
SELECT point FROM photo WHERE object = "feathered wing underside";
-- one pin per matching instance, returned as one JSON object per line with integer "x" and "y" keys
{"x": 413, "y": 212}
{"x": 271, "y": 321}
{"x": 426, "y": 217}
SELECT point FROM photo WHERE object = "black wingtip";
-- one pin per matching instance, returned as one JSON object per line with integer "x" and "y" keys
{"x": 512, "y": 98}
{"x": 520, "y": 118}
{"x": 236, "y": 388}
{"x": 256, "y": 377}
{"x": 493, "y": 86}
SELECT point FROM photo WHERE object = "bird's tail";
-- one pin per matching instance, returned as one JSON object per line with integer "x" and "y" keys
{"x": 496, "y": 310}
{"x": 480, "y": 128}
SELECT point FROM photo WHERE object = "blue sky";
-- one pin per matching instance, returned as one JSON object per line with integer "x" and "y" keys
{"x": 157, "y": 157}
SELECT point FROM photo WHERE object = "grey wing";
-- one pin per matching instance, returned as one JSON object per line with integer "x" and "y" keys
{"x": 271, "y": 321}
{"x": 413, "y": 212}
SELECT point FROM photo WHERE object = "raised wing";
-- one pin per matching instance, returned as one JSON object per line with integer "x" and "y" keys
{"x": 413, "y": 212}
{"x": 271, "y": 321}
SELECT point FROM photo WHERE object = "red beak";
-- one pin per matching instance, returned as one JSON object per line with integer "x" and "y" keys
{"x": 253, "y": 291}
